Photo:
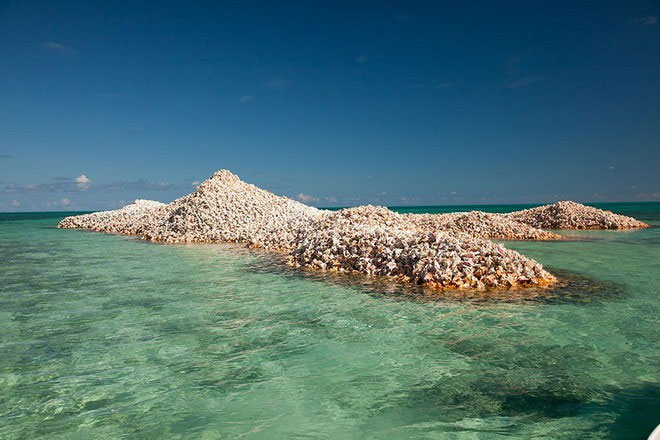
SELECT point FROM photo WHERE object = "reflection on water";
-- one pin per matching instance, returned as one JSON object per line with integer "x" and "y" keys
{"x": 571, "y": 287}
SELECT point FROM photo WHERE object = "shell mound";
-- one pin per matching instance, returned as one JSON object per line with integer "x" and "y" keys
{"x": 225, "y": 209}
{"x": 129, "y": 220}
{"x": 376, "y": 241}
{"x": 442, "y": 251}
{"x": 572, "y": 215}
{"x": 481, "y": 224}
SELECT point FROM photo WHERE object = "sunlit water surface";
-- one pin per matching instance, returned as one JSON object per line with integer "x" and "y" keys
{"x": 113, "y": 337}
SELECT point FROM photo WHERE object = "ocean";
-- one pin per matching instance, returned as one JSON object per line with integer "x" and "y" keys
{"x": 108, "y": 337}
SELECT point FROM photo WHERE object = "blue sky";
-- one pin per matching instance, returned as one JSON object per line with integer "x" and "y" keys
{"x": 340, "y": 103}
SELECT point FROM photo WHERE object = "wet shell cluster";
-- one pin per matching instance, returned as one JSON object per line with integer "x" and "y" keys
{"x": 376, "y": 241}
{"x": 444, "y": 250}
{"x": 571, "y": 215}
{"x": 481, "y": 224}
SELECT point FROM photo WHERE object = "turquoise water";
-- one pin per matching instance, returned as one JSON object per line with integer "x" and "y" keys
{"x": 112, "y": 337}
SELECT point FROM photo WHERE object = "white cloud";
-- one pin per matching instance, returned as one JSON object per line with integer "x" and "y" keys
{"x": 246, "y": 98}
{"x": 195, "y": 183}
{"x": 59, "y": 47}
{"x": 306, "y": 198}
{"x": 330, "y": 199}
{"x": 15, "y": 203}
{"x": 83, "y": 181}
{"x": 65, "y": 202}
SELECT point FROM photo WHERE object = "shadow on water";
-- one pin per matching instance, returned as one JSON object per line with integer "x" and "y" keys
{"x": 618, "y": 413}
{"x": 636, "y": 410}
{"x": 571, "y": 288}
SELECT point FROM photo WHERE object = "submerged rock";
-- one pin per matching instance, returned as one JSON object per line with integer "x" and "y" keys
{"x": 572, "y": 215}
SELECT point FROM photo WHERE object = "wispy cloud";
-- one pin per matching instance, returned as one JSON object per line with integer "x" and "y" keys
{"x": 5, "y": 156}
{"x": 649, "y": 20}
{"x": 53, "y": 46}
{"x": 361, "y": 59}
{"x": 134, "y": 185}
{"x": 111, "y": 95}
{"x": 438, "y": 86}
{"x": 15, "y": 203}
{"x": 64, "y": 202}
{"x": 83, "y": 183}
{"x": 530, "y": 79}
{"x": 246, "y": 98}
{"x": 306, "y": 198}
{"x": 408, "y": 200}
{"x": 511, "y": 65}
{"x": 519, "y": 72}
{"x": 416, "y": 86}
{"x": 651, "y": 196}
{"x": 278, "y": 83}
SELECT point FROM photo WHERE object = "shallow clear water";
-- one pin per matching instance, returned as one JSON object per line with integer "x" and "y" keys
{"x": 112, "y": 337}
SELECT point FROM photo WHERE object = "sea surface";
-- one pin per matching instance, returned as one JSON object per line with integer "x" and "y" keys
{"x": 106, "y": 337}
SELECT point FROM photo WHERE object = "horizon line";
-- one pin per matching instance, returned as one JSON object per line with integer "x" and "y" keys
{"x": 387, "y": 206}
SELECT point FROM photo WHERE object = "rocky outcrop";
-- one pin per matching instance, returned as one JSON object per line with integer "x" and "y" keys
{"x": 572, "y": 215}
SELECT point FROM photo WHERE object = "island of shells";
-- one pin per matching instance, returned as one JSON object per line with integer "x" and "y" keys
{"x": 438, "y": 250}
